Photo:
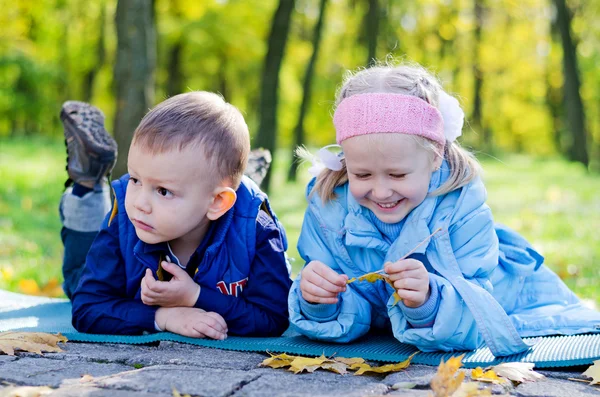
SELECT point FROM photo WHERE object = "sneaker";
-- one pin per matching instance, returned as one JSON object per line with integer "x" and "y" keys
{"x": 91, "y": 151}
{"x": 259, "y": 161}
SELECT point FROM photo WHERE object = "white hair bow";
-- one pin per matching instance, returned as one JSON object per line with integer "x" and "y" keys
{"x": 325, "y": 159}
{"x": 453, "y": 116}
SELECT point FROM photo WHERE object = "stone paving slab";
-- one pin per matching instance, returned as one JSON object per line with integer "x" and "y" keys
{"x": 119, "y": 370}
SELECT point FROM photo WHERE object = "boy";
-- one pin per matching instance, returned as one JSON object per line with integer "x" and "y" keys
{"x": 185, "y": 215}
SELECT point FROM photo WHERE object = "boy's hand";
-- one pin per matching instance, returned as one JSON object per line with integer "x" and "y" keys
{"x": 321, "y": 284}
{"x": 193, "y": 322}
{"x": 180, "y": 291}
{"x": 411, "y": 281}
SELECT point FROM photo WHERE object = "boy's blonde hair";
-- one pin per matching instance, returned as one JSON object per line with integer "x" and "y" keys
{"x": 407, "y": 80}
{"x": 204, "y": 119}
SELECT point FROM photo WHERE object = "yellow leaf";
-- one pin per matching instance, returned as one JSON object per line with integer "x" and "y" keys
{"x": 300, "y": 364}
{"x": 471, "y": 389}
{"x": 446, "y": 381}
{"x": 593, "y": 372}
{"x": 34, "y": 342}
{"x": 350, "y": 361}
{"x": 363, "y": 368}
{"x": 487, "y": 376}
{"x": 29, "y": 286}
{"x": 26, "y": 391}
{"x": 177, "y": 394}
{"x": 278, "y": 361}
{"x": 337, "y": 367}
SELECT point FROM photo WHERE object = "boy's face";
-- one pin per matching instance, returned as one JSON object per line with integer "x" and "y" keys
{"x": 169, "y": 194}
{"x": 388, "y": 173}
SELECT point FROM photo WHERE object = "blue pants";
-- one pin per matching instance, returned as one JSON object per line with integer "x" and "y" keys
{"x": 81, "y": 218}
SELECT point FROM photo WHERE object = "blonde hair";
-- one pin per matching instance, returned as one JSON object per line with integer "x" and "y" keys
{"x": 204, "y": 119}
{"x": 407, "y": 80}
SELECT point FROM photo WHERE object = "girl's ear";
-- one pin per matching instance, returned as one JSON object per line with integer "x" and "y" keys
{"x": 222, "y": 202}
{"x": 437, "y": 162}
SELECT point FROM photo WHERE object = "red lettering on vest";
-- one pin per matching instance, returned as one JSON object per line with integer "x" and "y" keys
{"x": 234, "y": 289}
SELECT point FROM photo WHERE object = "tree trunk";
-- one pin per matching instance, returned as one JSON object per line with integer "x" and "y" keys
{"x": 477, "y": 117}
{"x": 175, "y": 79}
{"x": 372, "y": 31}
{"x": 90, "y": 76}
{"x": 267, "y": 131}
{"x": 134, "y": 71}
{"x": 307, "y": 88}
{"x": 577, "y": 145}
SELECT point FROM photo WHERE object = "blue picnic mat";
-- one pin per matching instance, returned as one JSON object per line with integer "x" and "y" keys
{"x": 553, "y": 351}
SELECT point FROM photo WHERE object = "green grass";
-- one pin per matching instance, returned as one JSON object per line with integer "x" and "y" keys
{"x": 554, "y": 204}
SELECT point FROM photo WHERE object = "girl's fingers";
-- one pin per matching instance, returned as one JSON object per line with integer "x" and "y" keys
{"x": 413, "y": 273}
{"x": 412, "y": 296}
{"x": 322, "y": 283}
{"x": 316, "y": 291}
{"x": 318, "y": 299}
{"x": 411, "y": 284}
{"x": 327, "y": 273}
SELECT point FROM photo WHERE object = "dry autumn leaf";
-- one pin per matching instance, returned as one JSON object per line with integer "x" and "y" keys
{"x": 593, "y": 372}
{"x": 486, "y": 376}
{"x": 517, "y": 372}
{"x": 471, "y": 389}
{"x": 177, "y": 394}
{"x": 339, "y": 365}
{"x": 384, "y": 369}
{"x": 446, "y": 381}
{"x": 34, "y": 342}
{"x": 26, "y": 391}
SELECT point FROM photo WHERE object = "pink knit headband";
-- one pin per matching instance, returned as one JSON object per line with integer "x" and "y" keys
{"x": 372, "y": 113}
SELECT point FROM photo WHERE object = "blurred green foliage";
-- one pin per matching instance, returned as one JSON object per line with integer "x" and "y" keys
{"x": 49, "y": 48}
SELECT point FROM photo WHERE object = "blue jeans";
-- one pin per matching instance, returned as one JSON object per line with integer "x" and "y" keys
{"x": 81, "y": 218}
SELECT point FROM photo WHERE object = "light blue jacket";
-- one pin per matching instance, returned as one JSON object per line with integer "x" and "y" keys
{"x": 488, "y": 285}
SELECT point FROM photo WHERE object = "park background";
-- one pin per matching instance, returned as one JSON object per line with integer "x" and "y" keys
{"x": 525, "y": 71}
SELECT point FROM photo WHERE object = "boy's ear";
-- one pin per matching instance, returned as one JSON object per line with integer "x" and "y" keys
{"x": 222, "y": 202}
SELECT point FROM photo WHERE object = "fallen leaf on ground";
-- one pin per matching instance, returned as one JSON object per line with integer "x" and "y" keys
{"x": 86, "y": 378}
{"x": 383, "y": 369}
{"x": 593, "y": 372}
{"x": 340, "y": 365}
{"x": 300, "y": 364}
{"x": 471, "y": 389}
{"x": 33, "y": 342}
{"x": 26, "y": 391}
{"x": 486, "y": 376}
{"x": 278, "y": 361}
{"x": 177, "y": 394}
{"x": 517, "y": 372}
{"x": 446, "y": 381}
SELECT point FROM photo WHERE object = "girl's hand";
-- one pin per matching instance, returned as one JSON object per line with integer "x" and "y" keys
{"x": 180, "y": 291}
{"x": 411, "y": 281}
{"x": 321, "y": 284}
{"x": 190, "y": 321}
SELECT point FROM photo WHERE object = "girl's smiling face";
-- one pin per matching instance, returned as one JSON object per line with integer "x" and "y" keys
{"x": 389, "y": 173}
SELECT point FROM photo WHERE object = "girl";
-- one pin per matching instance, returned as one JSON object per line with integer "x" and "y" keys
{"x": 400, "y": 177}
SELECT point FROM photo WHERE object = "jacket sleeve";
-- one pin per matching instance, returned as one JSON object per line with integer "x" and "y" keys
{"x": 475, "y": 248}
{"x": 345, "y": 321}
{"x": 261, "y": 309}
{"x": 100, "y": 303}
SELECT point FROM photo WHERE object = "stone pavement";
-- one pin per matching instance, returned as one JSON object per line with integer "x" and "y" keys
{"x": 131, "y": 370}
